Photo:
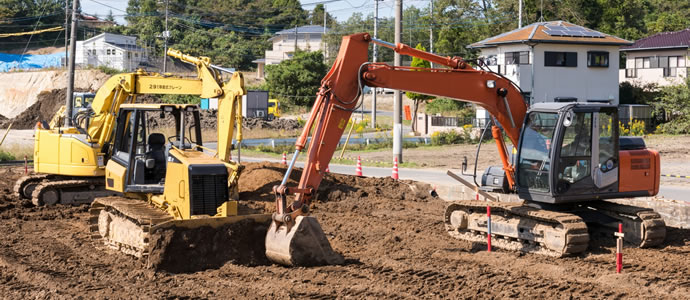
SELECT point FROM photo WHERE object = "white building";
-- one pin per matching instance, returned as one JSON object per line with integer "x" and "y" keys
{"x": 307, "y": 38}
{"x": 660, "y": 59}
{"x": 112, "y": 50}
{"x": 556, "y": 61}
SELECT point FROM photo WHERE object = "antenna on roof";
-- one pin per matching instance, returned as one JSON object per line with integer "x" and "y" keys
{"x": 541, "y": 12}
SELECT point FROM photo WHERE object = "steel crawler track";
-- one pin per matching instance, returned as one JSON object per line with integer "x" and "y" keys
{"x": 518, "y": 228}
{"x": 528, "y": 229}
{"x": 124, "y": 224}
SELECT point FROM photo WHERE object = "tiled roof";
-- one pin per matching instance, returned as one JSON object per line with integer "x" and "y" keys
{"x": 537, "y": 33}
{"x": 674, "y": 39}
{"x": 303, "y": 29}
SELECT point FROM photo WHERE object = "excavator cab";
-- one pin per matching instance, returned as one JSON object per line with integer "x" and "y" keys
{"x": 569, "y": 152}
{"x": 144, "y": 137}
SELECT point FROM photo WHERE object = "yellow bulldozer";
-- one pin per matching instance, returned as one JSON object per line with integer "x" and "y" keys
{"x": 138, "y": 176}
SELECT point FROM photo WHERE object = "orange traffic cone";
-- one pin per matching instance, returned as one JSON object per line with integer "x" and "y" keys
{"x": 358, "y": 170}
{"x": 395, "y": 168}
{"x": 284, "y": 161}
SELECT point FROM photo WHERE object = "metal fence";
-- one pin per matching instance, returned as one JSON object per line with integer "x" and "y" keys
{"x": 457, "y": 121}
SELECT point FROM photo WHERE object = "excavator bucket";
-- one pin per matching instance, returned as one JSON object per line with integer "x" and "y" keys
{"x": 305, "y": 244}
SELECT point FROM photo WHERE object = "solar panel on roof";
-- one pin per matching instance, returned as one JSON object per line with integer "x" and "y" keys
{"x": 571, "y": 31}
{"x": 555, "y": 32}
{"x": 556, "y": 27}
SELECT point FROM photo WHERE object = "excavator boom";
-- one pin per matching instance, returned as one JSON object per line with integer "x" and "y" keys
{"x": 337, "y": 99}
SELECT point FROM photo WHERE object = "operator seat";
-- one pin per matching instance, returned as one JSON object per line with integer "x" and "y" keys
{"x": 156, "y": 143}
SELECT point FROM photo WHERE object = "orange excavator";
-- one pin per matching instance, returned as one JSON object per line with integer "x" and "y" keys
{"x": 569, "y": 159}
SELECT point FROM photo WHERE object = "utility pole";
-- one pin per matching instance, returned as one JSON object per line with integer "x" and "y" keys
{"x": 66, "y": 31}
{"x": 70, "y": 68}
{"x": 323, "y": 37}
{"x": 431, "y": 30}
{"x": 520, "y": 14}
{"x": 166, "y": 34}
{"x": 373, "y": 94}
{"x": 397, "y": 96}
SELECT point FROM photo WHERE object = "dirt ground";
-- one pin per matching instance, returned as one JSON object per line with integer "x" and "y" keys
{"x": 391, "y": 236}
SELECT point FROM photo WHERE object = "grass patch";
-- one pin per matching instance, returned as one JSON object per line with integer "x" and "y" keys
{"x": 6, "y": 156}
{"x": 16, "y": 152}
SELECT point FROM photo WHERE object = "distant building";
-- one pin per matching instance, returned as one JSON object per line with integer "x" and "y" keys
{"x": 557, "y": 61}
{"x": 112, "y": 50}
{"x": 94, "y": 22}
{"x": 661, "y": 59}
{"x": 307, "y": 38}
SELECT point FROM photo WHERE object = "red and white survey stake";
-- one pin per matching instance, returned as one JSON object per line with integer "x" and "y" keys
{"x": 488, "y": 228}
{"x": 619, "y": 248}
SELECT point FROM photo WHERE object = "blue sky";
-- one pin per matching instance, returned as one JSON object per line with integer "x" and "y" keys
{"x": 340, "y": 9}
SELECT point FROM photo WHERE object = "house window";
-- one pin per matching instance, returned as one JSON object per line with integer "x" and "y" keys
{"x": 670, "y": 65}
{"x": 107, "y": 51}
{"x": 560, "y": 59}
{"x": 517, "y": 58}
{"x": 129, "y": 54}
{"x": 630, "y": 73}
{"x": 638, "y": 63}
{"x": 598, "y": 59}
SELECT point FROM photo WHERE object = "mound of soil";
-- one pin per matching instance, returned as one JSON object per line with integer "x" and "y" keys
{"x": 48, "y": 103}
{"x": 277, "y": 124}
{"x": 183, "y": 250}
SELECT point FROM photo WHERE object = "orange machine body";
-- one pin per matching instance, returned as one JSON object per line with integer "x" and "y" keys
{"x": 639, "y": 171}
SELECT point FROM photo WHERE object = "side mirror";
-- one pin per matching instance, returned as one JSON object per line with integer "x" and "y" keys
{"x": 568, "y": 119}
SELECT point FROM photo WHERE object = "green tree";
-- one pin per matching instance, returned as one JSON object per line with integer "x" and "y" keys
{"x": 297, "y": 80}
{"x": 316, "y": 17}
{"x": 418, "y": 98}
{"x": 110, "y": 16}
{"x": 675, "y": 102}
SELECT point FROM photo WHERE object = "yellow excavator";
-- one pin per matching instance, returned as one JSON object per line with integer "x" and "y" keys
{"x": 144, "y": 166}
{"x": 69, "y": 161}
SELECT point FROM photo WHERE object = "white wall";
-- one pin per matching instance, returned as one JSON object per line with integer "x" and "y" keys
{"x": 655, "y": 75}
{"x": 119, "y": 58}
{"x": 582, "y": 82}
{"x": 284, "y": 44}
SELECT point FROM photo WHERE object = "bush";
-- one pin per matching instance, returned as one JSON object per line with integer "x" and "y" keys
{"x": 637, "y": 128}
{"x": 451, "y": 137}
{"x": 295, "y": 81}
{"x": 674, "y": 102}
{"x": 444, "y": 105}
{"x": 6, "y": 156}
{"x": 109, "y": 70}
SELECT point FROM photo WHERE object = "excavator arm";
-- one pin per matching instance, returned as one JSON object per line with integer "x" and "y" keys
{"x": 337, "y": 98}
{"x": 340, "y": 90}
{"x": 124, "y": 88}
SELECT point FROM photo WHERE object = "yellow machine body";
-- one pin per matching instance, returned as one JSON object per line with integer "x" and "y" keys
{"x": 69, "y": 151}
{"x": 66, "y": 153}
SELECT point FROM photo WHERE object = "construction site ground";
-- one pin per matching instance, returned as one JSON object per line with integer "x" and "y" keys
{"x": 390, "y": 233}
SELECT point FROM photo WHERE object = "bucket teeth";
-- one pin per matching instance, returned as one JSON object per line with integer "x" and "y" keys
{"x": 305, "y": 244}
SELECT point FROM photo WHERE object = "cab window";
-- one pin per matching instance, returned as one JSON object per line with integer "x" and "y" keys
{"x": 576, "y": 149}
{"x": 534, "y": 160}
